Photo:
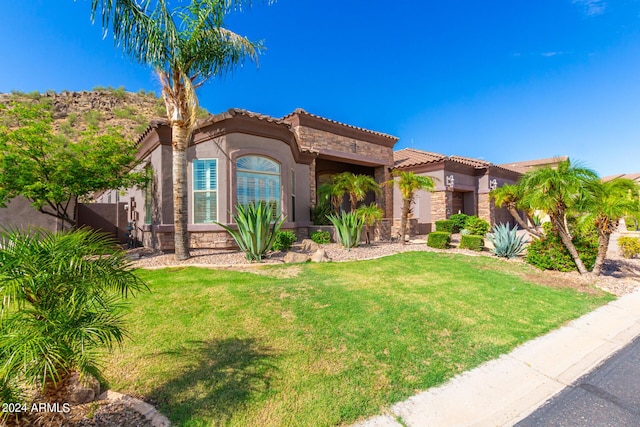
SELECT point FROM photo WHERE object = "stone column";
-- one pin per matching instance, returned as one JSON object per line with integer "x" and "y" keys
{"x": 385, "y": 198}
{"x": 441, "y": 205}
{"x": 486, "y": 208}
{"x": 312, "y": 184}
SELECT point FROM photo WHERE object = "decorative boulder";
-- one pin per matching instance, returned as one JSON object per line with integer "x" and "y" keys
{"x": 295, "y": 257}
{"x": 320, "y": 256}
{"x": 309, "y": 245}
{"x": 82, "y": 390}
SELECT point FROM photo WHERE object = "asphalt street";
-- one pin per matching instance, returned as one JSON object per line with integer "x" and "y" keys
{"x": 609, "y": 395}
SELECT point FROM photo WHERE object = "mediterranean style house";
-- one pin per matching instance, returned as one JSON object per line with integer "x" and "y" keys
{"x": 241, "y": 157}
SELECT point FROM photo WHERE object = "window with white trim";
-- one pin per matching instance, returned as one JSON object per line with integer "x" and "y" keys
{"x": 258, "y": 180}
{"x": 205, "y": 191}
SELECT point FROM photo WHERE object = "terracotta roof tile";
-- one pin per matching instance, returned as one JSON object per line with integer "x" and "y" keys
{"x": 527, "y": 165}
{"x": 476, "y": 163}
{"x": 410, "y": 157}
{"x": 631, "y": 176}
{"x": 300, "y": 111}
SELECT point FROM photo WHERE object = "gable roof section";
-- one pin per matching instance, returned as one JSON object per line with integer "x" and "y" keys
{"x": 527, "y": 165}
{"x": 300, "y": 117}
{"x": 408, "y": 157}
{"x": 631, "y": 176}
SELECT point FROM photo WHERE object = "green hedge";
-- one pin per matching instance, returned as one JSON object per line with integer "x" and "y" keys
{"x": 439, "y": 239}
{"x": 445, "y": 225}
{"x": 471, "y": 241}
{"x": 321, "y": 237}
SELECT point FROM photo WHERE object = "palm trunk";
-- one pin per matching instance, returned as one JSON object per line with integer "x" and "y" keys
{"x": 514, "y": 213}
{"x": 181, "y": 235}
{"x": 559, "y": 225}
{"x": 603, "y": 246}
{"x": 406, "y": 206}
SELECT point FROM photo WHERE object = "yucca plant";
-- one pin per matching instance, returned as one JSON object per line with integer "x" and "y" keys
{"x": 505, "y": 240}
{"x": 256, "y": 229}
{"x": 348, "y": 228}
{"x": 61, "y": 304}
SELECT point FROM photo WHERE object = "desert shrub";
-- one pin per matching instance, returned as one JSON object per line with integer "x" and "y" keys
{"x": 125, "y": 113}
{"x": 92, "y": 117}
{"x": 320, "y": 212}
{"x": 549, "y": 253}
{"x": 477, "y": 226}
{"x": 629, "y": 246}
{"x": 445, "y": 225}
{"x": 256, "y": 229}
{"x": 284, "y": 240}
{"x": 321, "y": 237}
{"x": 439, "y": 239}
{"x": 471, "y": 241}
{"x": 459, "y": 220}
{"x": 348, "y": 228}
{"x": 505, "y": 240}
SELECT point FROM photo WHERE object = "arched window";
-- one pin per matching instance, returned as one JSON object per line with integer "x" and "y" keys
{"x": 258, "y": 181}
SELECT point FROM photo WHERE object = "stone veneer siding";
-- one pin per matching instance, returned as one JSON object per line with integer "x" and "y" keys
{"x": 315, "y": 139}
{"x": 486, "y": 208}
{"x": 441, "y": 205}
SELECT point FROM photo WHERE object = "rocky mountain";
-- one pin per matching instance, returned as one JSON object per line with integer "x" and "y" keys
{"x": 73, "y": 112}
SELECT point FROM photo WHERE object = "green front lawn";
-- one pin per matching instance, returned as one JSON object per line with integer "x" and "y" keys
{"x": 326, "y": 344}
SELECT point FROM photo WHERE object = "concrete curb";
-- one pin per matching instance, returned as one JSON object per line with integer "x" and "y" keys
{"x": 503, "y": 391}
{"x": 147, "y": 410}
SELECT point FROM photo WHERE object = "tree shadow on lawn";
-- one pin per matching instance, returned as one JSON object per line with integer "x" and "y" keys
{"x": 222, "y": 380}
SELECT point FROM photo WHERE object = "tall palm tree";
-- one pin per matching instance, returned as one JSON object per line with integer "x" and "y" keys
{"x": 510, "y": 197}
{"x": 186, "y": 45}
{"x": 556, "y": 191}
{"x": 408, "y": 183}
{"x": 356, "y": 186}
{"x": 605, "y": 204}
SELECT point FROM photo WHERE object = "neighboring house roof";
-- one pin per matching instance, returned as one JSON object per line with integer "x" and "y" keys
{"x": 300, "y": 111}
{"x": 631, "y": 176}
{"x": 527, "y": 165}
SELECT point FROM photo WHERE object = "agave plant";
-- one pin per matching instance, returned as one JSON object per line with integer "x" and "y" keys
{"x": 256, "y": 229}
{"x": 348, "y": 228}
{"x": 505, "y": 240}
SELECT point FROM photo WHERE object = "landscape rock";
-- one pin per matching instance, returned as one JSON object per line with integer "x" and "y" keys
{"x": 295, "y": 257}
{"x": 82, "y": 390}
{"x": 309, "y": 245}
{"x": 320, "y": 256}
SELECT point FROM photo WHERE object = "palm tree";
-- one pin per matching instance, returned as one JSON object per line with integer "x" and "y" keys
{"x": 186, "y": 46}
{"x": 605, "y": 204}
{"x": 331, "y": 193}
{"x": 370, "y": 214}
{"x": 357, "y": 186}
{"x": 408, "y": 183}
{"x": 556, "y": 191}
{"x": 60, "y": 304}
{"x": 510, "y": 197}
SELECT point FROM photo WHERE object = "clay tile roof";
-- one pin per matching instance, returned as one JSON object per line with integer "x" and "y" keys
{"x": 476, "y": 163}
{"x": 631, "y": 176}
{"x": 153, "y": 124}
{"x": 410, "y": 157}
{"x": 240, "y": 112}
{"x": 527, "y": 165}
{"x": 301, "y": 111}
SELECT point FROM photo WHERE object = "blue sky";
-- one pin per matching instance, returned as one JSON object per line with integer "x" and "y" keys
{"x": 498, "y": 80}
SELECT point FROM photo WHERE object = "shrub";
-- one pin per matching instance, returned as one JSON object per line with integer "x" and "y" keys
{"x": 321, "y": 237}
{"x": 505, "y": 240}
{"x": 472, "y": 241}
{"x": 348, "y": 228}
{"x": 320, "y": 212}
{"x": 459, "y": 220}
{"x": 284, "y": 240}
{"x": 61, "y": 303}
{"x": 477, "y": 226}
{"x": 439, "y": 239}
{"x": 629, "y": 246}
{"x": 445, "y": 225}
{"x": 465, "y": 232}
{"x": 548, "y": 252}
{"x": 256, "y": 229}
{"x": 632, "y": 223}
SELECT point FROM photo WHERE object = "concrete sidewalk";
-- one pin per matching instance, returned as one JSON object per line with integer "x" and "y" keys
{"x": 505, "y": 390}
